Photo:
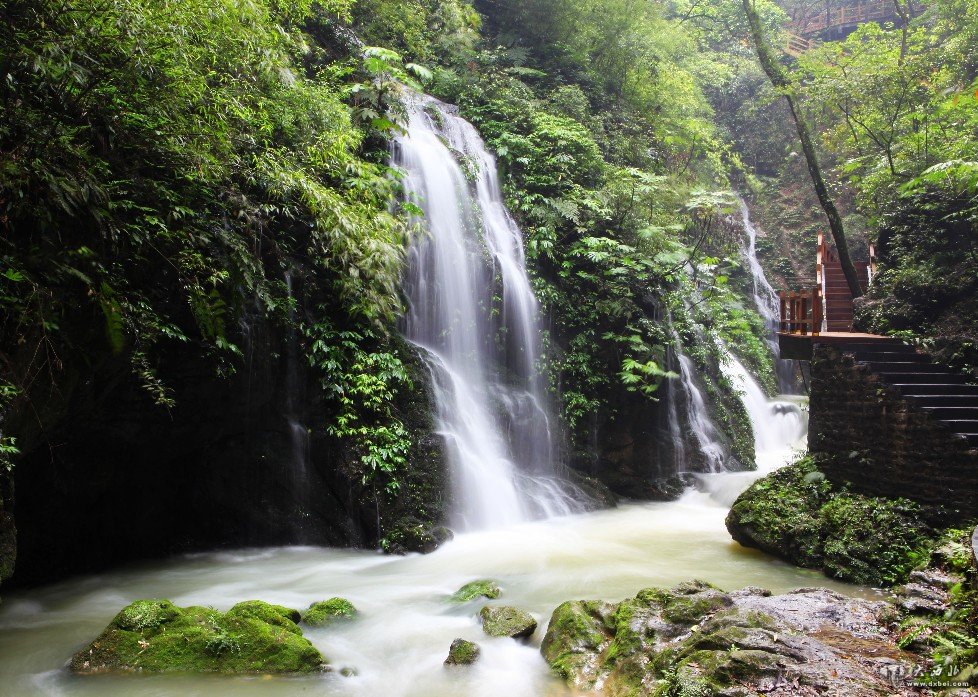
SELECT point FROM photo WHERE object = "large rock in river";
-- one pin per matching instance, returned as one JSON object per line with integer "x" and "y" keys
{"x": 155, "y": 636}
{"x": 697, "y": 640}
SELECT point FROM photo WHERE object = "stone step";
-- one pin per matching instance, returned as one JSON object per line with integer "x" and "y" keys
{"x": 924, "y": 378}
{"x": 972, "y": 438}
{"x": 954, "y": 401}
{"x": 962, "y": 425}
{"x": 935, "y": 390}
{"x": 953, "y": 413}
{"x": 889, "y": 356}
{"x": 887, "y": 367}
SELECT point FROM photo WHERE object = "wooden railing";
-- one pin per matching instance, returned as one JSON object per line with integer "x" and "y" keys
{"x": 802, "y": 311}
{"x": 844, "y": 17}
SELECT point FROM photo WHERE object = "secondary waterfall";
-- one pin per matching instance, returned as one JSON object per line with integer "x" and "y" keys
{"x": 765, "y": 299}
{"x": 472, "y": 310}
{"x": 697, "y": 416}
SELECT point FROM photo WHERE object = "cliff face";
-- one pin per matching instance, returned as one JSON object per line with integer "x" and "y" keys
{"x": 239, "y": 461}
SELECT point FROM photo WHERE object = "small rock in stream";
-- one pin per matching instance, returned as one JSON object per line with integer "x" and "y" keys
{"x": 327, "y": 612}
{"x": 505, "y": 620}
{"x": 462, "y": 653}
{"x": 483, "y": 588}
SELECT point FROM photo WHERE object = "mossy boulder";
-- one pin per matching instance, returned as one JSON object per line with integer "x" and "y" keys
{"x": 798, "y": 515}
{"x": 483, "y": 588}
{"x": 505, "y": 620}
{"x": 779, "y": 514}
{"x": 462, "y": 653}
{"x": 156, "y": 636}
{"x": 327, "y": 612}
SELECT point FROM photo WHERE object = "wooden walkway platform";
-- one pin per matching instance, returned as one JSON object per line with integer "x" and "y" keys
{"x": 796, "y": 346}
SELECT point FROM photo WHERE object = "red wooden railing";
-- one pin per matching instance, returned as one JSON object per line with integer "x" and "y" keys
{"x": 805, "y": 311}
{"x": 802, "y": 311}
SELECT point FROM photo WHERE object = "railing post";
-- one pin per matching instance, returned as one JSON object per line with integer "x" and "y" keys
{"x": 803, "y": 301}
{"x": 816, "y": 310}
{"x": 783, "y": 325}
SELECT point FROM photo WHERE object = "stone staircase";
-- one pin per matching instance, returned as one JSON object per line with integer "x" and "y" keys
{"x": 945, "y": 396}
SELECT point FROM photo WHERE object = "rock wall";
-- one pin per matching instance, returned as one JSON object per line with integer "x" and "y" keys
{"x": 863, "y": 433}
{"x": 112, "y": 477}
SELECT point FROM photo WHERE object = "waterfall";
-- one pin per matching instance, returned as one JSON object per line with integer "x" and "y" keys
{"x": 472, "y": 311}
{"x": 698, "y": 417}
{"x": 765, "y": 299}
{"x": 779, "y": 426}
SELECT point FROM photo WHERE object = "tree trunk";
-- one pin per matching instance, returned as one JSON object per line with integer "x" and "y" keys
{"x": 779, "y": 78}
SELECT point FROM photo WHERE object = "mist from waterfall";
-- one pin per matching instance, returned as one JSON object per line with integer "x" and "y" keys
{"x": 473, "y": 312}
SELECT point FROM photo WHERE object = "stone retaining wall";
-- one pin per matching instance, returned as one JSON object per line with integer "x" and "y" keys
{"x": 866, "y": 434}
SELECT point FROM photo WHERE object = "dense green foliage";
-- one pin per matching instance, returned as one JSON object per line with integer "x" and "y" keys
{"x": 893, "y": 105}
{"x": 612, "y": 165}
{"x": 171, "y": 171}
{"x": 949, "y": 638}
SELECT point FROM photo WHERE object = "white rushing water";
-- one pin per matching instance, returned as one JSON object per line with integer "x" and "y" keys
{"x": 698, "y": 418}
{"x": 765, "y": 299}
{"x": 491, "y": 401}
{"x": 406, "y": 625}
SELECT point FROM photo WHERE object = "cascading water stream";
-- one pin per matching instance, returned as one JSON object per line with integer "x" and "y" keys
{"x": 765, "y": 299}
{"x": 779, "y": 426}
{"x": 697, "y": 417}
{"x": 491, "y": 403}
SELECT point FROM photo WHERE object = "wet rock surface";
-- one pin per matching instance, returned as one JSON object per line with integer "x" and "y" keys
{"x": 504, "y": 620}
{"x": 483, "y": 588}
{"x": 695, "y": 639}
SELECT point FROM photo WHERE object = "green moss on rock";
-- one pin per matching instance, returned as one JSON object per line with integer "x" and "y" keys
{"x": 873, "y": 541}
{"x": 155, "y": 636}
{"x": 575, "y": 636}
{"x": 327, "y": 612}
{"x": 483, "y": 588}
{"x": 462, "y": 653}
{"x": 779, "y": 514}
{"x": 799, "y": 516}
{"x": 505, "y": 620}
{"x": 690, "y": 609}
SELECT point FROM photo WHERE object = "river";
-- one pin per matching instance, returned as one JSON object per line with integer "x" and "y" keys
{"x": 398, "y": 645}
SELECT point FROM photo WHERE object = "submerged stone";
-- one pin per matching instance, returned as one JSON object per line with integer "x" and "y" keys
{"x": 505, "y": 620}
{"x": 415, "y": 536}
{"x": 156, "y": 636}
{"x": 462, "y": 653}
{"x": 326, "y": 612}
{"x": 483, "y": 588}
